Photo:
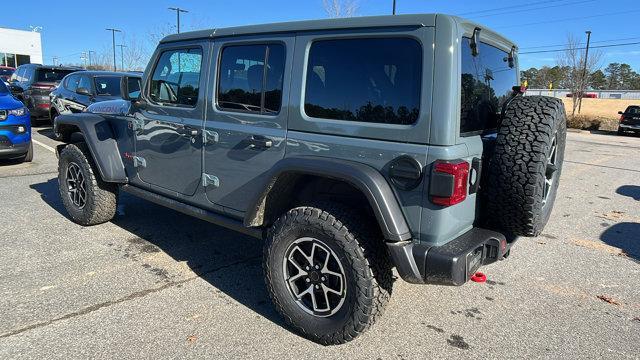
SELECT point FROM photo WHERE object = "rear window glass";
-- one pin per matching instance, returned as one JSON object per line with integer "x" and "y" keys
{"x": 3, "y": 88}
{"x": 107, "y": 85}
{"x": 487, "y": 81}
{"x": 633, "y": 110}
{"x": 368, "y": 80}
{"x": 51, "y": 75}
{"x": 6, "y": 72}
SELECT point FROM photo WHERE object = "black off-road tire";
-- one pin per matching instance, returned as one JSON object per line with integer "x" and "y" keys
{"x": 621, "y": 132}
{"x": 360, "y": 248}
{"x": 101, "y": 197}
{"x": 515, "y": 193}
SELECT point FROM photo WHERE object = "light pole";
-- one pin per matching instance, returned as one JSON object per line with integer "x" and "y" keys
{"x": 394, "y": 7}
{"x": 113, "y": 38}
{"x": 178, "y": 11}
{"x": 90, "y": 51}
{"x": 584, "y": 71}
{"x": 122, "y": 56}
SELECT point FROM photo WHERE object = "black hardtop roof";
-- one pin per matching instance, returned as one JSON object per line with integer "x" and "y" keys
{"x": 418, "y": 20}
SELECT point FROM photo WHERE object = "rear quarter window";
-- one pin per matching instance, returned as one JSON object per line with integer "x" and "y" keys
{"x": 486, "y": 82}
{"x": 373, "y": 80}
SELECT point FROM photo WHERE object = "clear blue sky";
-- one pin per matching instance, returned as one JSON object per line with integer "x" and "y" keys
{"x": 73, "y": 26}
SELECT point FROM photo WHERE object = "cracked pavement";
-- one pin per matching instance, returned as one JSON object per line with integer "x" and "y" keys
{"x": 154, "y": 283}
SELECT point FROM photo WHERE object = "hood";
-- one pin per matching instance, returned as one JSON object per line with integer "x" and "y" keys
{"x": 8, "y": 102}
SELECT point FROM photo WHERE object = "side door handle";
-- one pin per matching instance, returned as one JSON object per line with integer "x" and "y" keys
{"x": 260, "y": 142}
{"x": 187, "y": 131}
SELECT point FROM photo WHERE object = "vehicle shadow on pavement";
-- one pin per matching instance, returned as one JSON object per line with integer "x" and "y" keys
{"x": 631, "y": 191}
{"x": 626, "y": 237}
{"x": 229, "y": 261}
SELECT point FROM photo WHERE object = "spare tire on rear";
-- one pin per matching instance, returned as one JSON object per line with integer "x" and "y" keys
{"x": 524, "y": 170}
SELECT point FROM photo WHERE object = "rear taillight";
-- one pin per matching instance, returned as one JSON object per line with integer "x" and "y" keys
{"x": 449, "y": 181}
{"x": 621, "y": 118}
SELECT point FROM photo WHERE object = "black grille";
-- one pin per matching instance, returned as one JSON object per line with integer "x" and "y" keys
{"x": 5, "y": 142}
{"x": 3, "y": 115}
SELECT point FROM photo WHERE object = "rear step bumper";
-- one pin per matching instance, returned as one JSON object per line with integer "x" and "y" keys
{"x": 452, "y": 263}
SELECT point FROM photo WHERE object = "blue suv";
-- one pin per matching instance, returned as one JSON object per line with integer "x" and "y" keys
{"x": 15, "y": 128}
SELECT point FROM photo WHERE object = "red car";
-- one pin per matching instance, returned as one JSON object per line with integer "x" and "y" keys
{"x": 586, "y": 95}
{"x": 6, "y": 72}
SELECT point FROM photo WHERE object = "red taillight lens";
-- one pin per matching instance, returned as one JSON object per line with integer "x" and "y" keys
{"x": 621, "y": 117}
{"x": 460, "y": 173}
{"x": 41, "y": 86}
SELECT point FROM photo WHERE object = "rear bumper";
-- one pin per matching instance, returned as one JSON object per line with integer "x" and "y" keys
{"x": 452, "y": 263}
{"x": 627, "y": 127}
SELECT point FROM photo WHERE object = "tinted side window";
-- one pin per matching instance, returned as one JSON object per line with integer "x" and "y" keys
{"x": 368, "y": 80}
{"x": 176, "y": 78}
{"x": 245, "y": 84}
{"x": 85, "y": 82}
{"x": 487, "y": 81}
{"x": 71, "y": 83}
{"x": 107, "y": 85}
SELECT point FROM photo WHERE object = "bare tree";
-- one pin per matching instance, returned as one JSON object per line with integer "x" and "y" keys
{"x": 135, "y": 56}
{"x": 574, "y": 59}
{"x": 340, "y": 8}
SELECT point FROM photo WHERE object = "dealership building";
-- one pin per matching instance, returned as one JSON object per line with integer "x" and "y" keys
{"x": 19, "y": 47}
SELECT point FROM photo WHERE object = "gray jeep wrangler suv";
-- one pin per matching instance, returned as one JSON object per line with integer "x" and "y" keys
{"x": 351, "y": 146}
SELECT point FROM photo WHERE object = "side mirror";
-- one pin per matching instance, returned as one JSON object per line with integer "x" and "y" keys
{"x": 83, "y": 91}
{"x": 620, "y": 112}
{"x": 130, "y": 88}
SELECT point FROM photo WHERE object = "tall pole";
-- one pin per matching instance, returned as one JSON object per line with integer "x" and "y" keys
{"x": 178, "y": 11}
{"x": 113, "y": 38}
{"x": 584, "y": 71}
{"x": 121, "y": 46}
{"x": 90, "y": 51}
{"x": 394, "y": 7}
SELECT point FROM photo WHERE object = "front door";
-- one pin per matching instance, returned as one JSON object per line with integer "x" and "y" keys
{"x": 246, "y": 121}
{"x": 168, "y": 122}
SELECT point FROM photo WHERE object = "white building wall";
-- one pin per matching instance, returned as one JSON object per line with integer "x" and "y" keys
{"x": 22, "y": 42}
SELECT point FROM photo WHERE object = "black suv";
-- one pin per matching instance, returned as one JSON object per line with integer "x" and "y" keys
{"x": 81, "y": 89}
{"x": 629, "y": 120}
{"x": 32, "y": 83}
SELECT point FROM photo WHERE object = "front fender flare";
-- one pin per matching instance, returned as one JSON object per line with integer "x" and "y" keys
{"x": 99, "y": 137}
{"x": 368, "y": 180}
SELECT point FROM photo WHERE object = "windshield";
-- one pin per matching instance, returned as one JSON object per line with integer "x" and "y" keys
{"x": 107, "y": 85}
{"x": 3, "y": 88}
{"x": 51, "y": 75}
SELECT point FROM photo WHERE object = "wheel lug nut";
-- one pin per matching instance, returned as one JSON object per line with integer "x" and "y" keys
{"x": 323, "y": 278}
{"x": 317, "y": 267}
{"x": 317, "y": 286}
{"x": 307, "y": 268}
{"x": 308, "y": 280}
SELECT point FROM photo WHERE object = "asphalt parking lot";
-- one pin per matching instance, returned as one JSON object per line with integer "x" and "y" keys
{"x": 154, "y": 283}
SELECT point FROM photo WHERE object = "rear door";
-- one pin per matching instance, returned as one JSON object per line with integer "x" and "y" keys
{"x": 168, "y": 123}
{"x": 247, "y": 120}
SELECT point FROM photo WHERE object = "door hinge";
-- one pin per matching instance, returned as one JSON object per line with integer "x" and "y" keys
{"x": 139, "y": 162}
{"x": 210, "y": 180}
{"x": 137, "y": 124}
{"x": 210, "y": 137}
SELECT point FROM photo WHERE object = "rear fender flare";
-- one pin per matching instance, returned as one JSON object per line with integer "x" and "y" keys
{"x": 366, "y": 179}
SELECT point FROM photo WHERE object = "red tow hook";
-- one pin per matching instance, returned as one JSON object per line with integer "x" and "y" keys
{"x": 479, "y": 277}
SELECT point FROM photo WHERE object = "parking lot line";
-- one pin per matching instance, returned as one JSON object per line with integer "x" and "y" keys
{"x": 44, "y": 145}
